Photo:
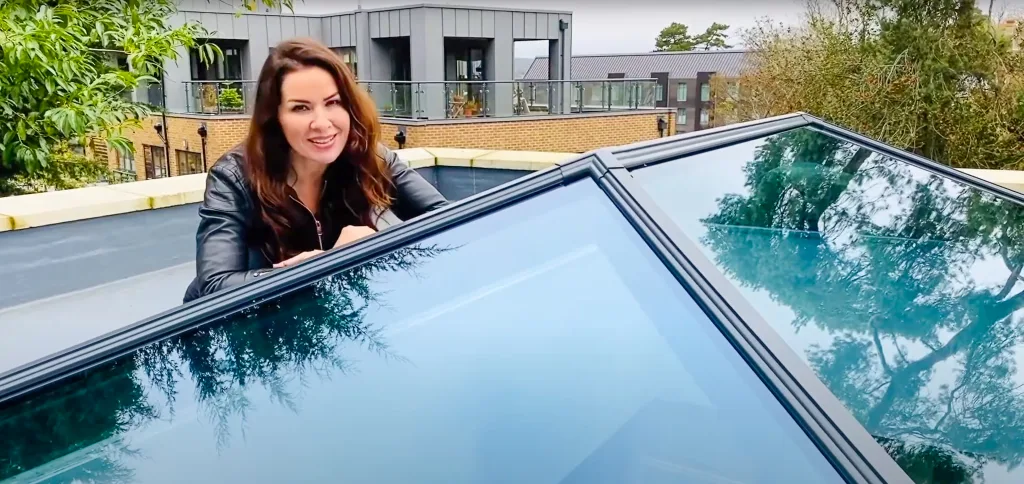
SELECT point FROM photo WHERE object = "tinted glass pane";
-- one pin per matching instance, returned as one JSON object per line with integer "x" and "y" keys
{"x": 899, "y": 287}
{"x": 542, "y": 343}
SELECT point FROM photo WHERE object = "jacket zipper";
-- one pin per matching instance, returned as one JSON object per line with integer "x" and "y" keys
{"x": 319, "y": 229}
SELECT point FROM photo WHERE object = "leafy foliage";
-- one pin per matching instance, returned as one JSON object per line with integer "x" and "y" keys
{"x": 933, "y": 77}
{"x": 67, "y": 66}
{"x": 911, "y": 285}
{"x": 66, "y": 169}
{"x": 676, "y": 37}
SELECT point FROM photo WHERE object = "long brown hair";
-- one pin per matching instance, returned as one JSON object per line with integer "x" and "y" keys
{"x": 360, "y": 173}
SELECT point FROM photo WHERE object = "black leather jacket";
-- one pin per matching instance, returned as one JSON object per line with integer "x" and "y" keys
{"x": 229, "y": 241}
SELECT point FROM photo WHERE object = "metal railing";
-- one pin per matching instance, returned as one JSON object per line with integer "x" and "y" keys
{"x": 455, "y": 100}
{"x": 219, "y": 97}
{"x": 478, "y": 99}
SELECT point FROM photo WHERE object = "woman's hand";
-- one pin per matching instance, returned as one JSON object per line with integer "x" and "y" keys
{"x": 299, "y": 258}
{"x": 352, "y": 233}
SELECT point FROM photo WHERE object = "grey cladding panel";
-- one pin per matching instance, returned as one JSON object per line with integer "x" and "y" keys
{"x": 395, "y": 23}
{"x": 273, "y": 30}
{"x": 177, "y": 20}
{"x": 530, "y": 23}
{"x": 287, "y": 27}
{"x": 336, "y": 31}
{"x": 553, "y": 27}
{"x": 404, "y": 26}
{"x": 225, "y": 27}
{"x": 385, "y": 24}
{"x": 302, "y": 26}
{"x": 488, "y": 24}
{"x": 316, "y": 29}
{"x": 209, "y": 20}
{"x": 374, "y": 18}
{"x": 448, "y": 22}
{"x": 192, "y": 17}
{"x": 241, "y": 26}
{"x": 350, "y": 32}
{"x": 475, "y": 23}
{"x": 542, "y": 25}
{"x": 518, "y": 25}
{"x": 462, "y": 23}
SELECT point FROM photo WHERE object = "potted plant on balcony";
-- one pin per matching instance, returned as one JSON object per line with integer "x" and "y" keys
{"x": 471, "y": 107}
{"x": 231, "y": 99}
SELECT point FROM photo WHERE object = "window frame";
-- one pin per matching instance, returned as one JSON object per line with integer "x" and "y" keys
{"x": 826, "y": 421}
{"x": 181, "y": 157}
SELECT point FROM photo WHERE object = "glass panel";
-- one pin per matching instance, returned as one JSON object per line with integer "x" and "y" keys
{"x": 899, "y": 287}
{"x": 541, "y": 343}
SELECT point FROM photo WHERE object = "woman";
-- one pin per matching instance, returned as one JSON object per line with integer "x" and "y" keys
{"x": 311, "y": 175}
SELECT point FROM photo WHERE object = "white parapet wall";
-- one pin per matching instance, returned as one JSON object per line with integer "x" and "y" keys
{"x": 39, "y": 209}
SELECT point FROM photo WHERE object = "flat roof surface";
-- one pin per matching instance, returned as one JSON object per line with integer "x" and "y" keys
{"x": 68, "y": 283}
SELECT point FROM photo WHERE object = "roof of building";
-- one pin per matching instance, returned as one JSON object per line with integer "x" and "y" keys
{"x": 679, "y": 65}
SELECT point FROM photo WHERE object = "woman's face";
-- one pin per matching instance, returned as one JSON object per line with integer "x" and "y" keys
{"x": 313, "y": 120}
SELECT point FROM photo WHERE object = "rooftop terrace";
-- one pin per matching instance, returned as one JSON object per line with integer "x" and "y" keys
{"x": 657, "y": 311}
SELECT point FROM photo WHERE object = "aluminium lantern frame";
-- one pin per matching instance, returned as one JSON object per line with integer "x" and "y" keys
{"x": 831, "y": 427}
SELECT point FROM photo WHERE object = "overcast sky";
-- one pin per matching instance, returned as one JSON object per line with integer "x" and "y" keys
{"x": 624, "y": 26}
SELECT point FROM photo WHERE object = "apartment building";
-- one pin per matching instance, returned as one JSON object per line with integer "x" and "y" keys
{"x": 411, "y": 44}
{"x": 683, "y": 78}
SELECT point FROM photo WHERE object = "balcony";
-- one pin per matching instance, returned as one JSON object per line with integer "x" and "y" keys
{"x": 490, "y": 99}
{"x": 219, "y": 97}
{"x": 454, "y": 100}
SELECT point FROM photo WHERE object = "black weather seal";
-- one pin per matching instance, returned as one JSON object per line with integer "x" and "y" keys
{"x": 666, "y": 149}
{"x": 99, "y": 350}
{"x": 839, "y": 435}
{"x": 913, "y": 159}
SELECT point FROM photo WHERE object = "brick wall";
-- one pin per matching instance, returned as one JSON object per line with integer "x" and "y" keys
{"x": 569, "y": 134}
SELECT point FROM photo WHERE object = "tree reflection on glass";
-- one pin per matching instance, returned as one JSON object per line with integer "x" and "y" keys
{"x": 895, "y": 266}
{"x": 269, "y": 345}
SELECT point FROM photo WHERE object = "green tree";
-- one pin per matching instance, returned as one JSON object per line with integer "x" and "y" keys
{"x": 66, "y": 66}
{"x": 676, "y": 37}
{"x": 930, "y": 76}
{"x": 712, "y": 38}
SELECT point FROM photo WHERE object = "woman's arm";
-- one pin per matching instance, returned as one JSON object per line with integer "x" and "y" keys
{"x": 222, "y": 254}
{"x": 414, "y": 195}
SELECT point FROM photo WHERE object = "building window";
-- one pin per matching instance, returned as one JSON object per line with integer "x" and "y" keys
{"x": 348, "y": 57}
{"x": 189, "y": 162}
{"x": 659, "y": 93}
{"x": 734, "y": 90}
{"x": 705, "y": 92}
{"x": 226, "y": 67}
{"x": 681, "y": 116}
{"x": 681, "y": 93}
{"x": 705, "y": 118}
{"x": 126, "y": 162}
{"x": 155, "y": 159}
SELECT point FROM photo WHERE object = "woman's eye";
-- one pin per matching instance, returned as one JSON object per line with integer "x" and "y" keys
{"x": 334, "y": 102}
{"x": 299, "y": 108}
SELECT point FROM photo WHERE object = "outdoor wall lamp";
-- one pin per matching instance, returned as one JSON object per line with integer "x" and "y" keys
{"x": 400, "y": 137}
{"x": 662, "y": 125}
{"x": 202, "y": 136}
{"x": 159, "y": 129}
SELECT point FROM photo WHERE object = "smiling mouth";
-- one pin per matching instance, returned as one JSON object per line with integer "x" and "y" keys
{"x": 323, "y": 141}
